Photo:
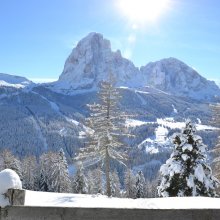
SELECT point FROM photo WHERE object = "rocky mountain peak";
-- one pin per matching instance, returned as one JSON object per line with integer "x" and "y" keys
{"x": 173, "y": 76}
{"x": 92, "y": 60}
{"x": 94, "y": 41}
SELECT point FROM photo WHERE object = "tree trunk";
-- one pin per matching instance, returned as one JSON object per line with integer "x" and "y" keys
{"x": 107, "y": 172}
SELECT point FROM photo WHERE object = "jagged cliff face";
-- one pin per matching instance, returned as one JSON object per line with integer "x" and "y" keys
{"x": 91, "y": 62}
{"x": 175, "y": 77}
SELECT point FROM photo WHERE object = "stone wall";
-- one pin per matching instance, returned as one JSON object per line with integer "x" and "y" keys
{"x": 54, "y": 213}
{"x": 16, "y": 196}
{"x": 17, "y": 211}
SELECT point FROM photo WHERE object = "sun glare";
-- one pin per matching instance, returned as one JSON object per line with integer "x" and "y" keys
{"x": 140, "y": 12}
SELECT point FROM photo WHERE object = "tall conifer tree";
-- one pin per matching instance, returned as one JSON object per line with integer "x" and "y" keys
{"x": 186, "y": 172}
{"x": 106, "y": 122}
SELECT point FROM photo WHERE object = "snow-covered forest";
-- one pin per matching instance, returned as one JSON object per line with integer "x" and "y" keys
{"x": 106, "y": 165}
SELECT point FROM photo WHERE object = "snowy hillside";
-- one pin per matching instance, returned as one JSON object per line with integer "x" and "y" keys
{"x": 7, "y": 80}
{"x": 100, "y": 201}
{"x": 160, "y": 141}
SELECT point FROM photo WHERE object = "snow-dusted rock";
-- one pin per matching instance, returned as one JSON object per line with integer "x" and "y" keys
{"x": 9, "y": 179}
{"x": 173, "y": 76}
{"x": 91, "y": 62}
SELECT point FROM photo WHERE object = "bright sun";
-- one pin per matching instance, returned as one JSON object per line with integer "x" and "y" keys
{"x": 140, "y": 12}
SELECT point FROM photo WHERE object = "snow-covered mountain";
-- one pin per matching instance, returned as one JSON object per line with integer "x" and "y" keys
{"x": 91, "y": 62}
{"x": 175, "y": 77}
{"x": 18, "y": 82}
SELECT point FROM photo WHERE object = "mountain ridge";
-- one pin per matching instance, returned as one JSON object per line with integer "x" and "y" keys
{"x": 174, "y": 76}
{"x": 92, "y": 60}
{"x": 9, "y": 80}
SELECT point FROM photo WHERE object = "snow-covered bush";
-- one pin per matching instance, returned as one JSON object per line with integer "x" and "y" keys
{"x": 186, "y": 172}
{"x": 9, "y": 179}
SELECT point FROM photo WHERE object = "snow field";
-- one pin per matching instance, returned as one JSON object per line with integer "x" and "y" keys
{"x": 101, "y": 201}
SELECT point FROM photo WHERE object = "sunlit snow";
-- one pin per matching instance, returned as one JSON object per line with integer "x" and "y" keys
{"x": 8, "y": 180}
{"x": 100, "y": 201}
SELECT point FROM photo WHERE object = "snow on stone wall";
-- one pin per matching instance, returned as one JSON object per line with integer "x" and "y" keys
{"x": 9, "y": 179}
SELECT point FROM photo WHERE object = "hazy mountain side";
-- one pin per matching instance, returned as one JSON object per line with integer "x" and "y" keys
{"x": 7, "y": 91}
{"x": 51, "y": 120}
{"x": 35, "y": 126}
{"x": 150, "y": 106}
{"x": 147, "y": 105}
{"x": 74, "y": 106}
{"x": 18, "y": 131}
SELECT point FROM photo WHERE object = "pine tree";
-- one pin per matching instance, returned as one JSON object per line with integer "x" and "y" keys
{"x": 46, "y": 163}
{"x": 94, "y": 178}
{"x": 29, "y": 173}
{"x": 80, "y": 184}
{"x": 115, "y": 185}
{"x": 54, "y": 175}
{"x": 90, "y": 179}
{"x": 9, "y": 161}
{"x": 60, "y": 174}
{"x": 140, "y": 185}
{"x": 43, "y": 182}
{"x": 105, "y": 121}
{"x": 186, "y": 172}
{"x": 98, "y": 185}
{"x": 151, "y": 187}
{"x": 130, "y": 187}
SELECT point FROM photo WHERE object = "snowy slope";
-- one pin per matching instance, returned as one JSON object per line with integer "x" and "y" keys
{"x": 100, "y": 201}
{"x": 7, "y": 80}
{"x": 160, "y": 141}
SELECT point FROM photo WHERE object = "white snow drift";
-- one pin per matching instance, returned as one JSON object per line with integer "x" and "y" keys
{"x": 9, "y": 179}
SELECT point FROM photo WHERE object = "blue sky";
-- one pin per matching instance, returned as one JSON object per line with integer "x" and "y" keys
{"x": 36, "y": 36}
